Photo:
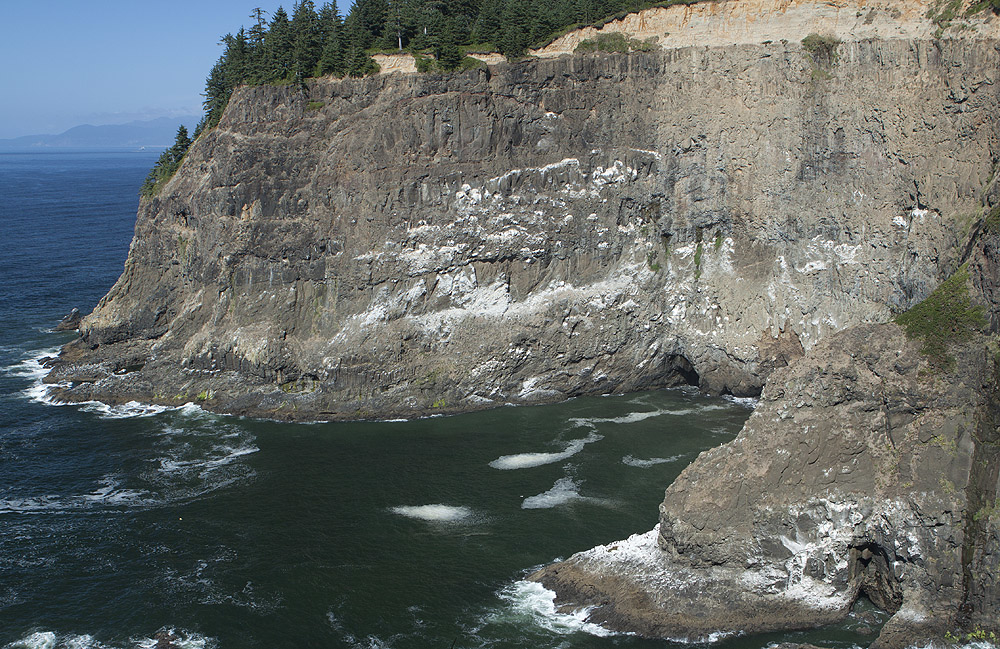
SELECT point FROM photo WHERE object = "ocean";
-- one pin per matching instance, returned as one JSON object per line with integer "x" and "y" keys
{"x": 120, "y": 525}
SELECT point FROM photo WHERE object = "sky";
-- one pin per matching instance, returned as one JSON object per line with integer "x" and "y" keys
{"x": 72, "y": 62}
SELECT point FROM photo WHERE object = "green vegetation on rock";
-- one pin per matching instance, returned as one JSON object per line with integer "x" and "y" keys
{"x": 613, "y": 42}
{"x": 168, "y": 164}
{"x": 822, "y": 48}
{"x": 992, "y": 222}
{"x": 311, "y": 43}
{"x": 947, "y": 316}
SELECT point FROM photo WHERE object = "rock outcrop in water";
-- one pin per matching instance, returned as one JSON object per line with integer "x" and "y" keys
{"x": 867, "y": 469}
{"x": 402, "y": 245}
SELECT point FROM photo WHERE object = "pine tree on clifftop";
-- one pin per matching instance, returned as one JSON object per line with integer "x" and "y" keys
{"x": 333, "y": 59}
{"x": 307, "y": 40}
{"x": 168, "y": 163}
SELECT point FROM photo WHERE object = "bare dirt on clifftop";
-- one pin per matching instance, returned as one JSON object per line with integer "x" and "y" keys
{"x": 739, "y": 22}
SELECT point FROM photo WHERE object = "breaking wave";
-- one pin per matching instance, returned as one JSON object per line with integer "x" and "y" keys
{"x": 653, "y": 461}
{"x": 528, "y": 460}
{"x": 52, "y": 640}
{"x": 434, "y": 513}
{"x": 530, "y": 603}
{"x": 564, "y": 491}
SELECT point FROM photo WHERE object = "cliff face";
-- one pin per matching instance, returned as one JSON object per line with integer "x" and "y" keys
{"x": 402, "y": 245}
{"x": 866, "y": 469}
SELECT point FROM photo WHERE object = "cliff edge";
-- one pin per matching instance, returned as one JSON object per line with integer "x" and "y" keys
{"x": 404, "y": 245}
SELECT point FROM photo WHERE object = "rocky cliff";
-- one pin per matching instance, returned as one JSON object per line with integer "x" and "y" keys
{"x": 401, "y": 245}
{"x": 868, "y": 468}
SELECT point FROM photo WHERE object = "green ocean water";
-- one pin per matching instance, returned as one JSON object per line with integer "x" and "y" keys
{"x": 117, "y": 524}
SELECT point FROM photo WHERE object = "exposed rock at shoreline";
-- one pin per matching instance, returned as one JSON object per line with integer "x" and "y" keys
{"x": 531, "y": 232}
{"x": 71, "y": 321}
{"x": 866, "y": 468}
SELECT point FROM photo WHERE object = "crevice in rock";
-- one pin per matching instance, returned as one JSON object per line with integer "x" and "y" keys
{"x": 982, "y": 491}
{"x": 871, "y": 570}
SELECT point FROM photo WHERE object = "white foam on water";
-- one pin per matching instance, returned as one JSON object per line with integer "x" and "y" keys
{"x": 37, "y": 640}
{"x": 635, "y": 417}
{"x": 435, "y": 513}
{"x": 746, "y": 402}
{"x": 52, "y": 640}
{"x": 182, "y": 640}
{"x": 530, "y": 602}
{"x": 28, "y": 505}
{"x": 110, "y": 494}
{"x": 39, "y": 393}
{"x": 712, "y": 638}
{"x": 528, "y": 460}
{"x": 229, "y": 454}
{"x": 31, "y": 367}
{"x": 653, "y": 461}
{"x": 125, "y": 410}
{"x": 564, "y": 491}
{"x": 107, "y": 495}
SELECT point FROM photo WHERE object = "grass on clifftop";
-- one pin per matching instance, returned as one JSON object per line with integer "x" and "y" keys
{"x": 613, "y": 42}
{"x": 947, "y": 316}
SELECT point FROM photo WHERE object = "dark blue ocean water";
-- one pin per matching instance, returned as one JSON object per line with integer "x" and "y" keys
{"x": 118, "y": 524}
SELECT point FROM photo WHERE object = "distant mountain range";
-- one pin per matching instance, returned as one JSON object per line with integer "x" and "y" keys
{"x": 158, "y": 132}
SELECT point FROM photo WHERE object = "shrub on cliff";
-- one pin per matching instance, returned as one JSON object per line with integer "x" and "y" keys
{"x": 613, "y": 42}
{"x": 822, "y": 48}
{"x": 946, "y": 317}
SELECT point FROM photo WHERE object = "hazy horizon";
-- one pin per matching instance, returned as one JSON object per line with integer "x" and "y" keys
{"x": 112, "y": 63}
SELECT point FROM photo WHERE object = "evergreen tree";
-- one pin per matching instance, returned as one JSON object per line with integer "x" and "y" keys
{"x": 515, "y": 33}
{"x": 236, "y": 59}
{"x": 447, "y": 53}
{"x": 318, "y": 43}
{"x": 370, "y": 17}
{"x": 488, "y": 23}
{"x": 257, "y": 66}
{"x": 216, "y": 94}
{"x": 397, "y": 24}
{"x": 307, "y": 41}
{"x": 278, "y": 46}
{"x": 168, "y": 163}
{"x": 333, "y": 59}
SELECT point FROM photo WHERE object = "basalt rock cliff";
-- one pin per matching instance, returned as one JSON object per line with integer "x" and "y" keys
{"x": 402, "y": 245}
{"x": 866, "y": 469}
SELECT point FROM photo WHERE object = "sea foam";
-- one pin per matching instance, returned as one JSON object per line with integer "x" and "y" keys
{"x": 52, "y": 640}
{"x": 530, "y": 602}
{"x": 653, "y": 461}
{"x": 564, "y": 491}
{"x": 528, "y": 460}
{"x": 435, "y": 513}
{"x": 636, "y": 417}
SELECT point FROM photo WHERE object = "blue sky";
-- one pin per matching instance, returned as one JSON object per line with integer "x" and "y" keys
{"x": 70, "y": 62}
